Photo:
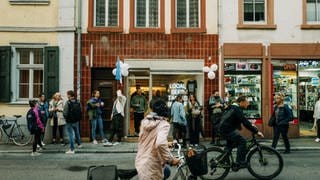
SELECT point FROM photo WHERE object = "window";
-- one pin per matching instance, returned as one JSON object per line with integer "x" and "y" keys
{"x": 105, "y": 15}
{"x": 256, "y": 14}
{"x": 30, "y": 73}
{"x": 311, "y": 14}
{"x": 189, "y": 16}
{"x": 147, "y": 15}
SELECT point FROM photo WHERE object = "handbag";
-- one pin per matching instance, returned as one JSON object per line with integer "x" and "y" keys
{"x": 272, "y": 121}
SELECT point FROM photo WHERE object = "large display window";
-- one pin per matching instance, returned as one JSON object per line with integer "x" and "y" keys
{"x": 243, "y": 77}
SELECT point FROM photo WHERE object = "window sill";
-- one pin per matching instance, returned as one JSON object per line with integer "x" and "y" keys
{"x": 146, "y": 30}
{"x": 29, "y": 2}
{"x": 17, "y": 103}
{"x": 105, "y": 29}
{"x": 310, "y": 26}
{"x": 188, "y": 30}
{"x": 257, "y": 26}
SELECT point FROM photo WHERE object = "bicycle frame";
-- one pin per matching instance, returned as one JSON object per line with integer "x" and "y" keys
{"x": 12, "y": 126}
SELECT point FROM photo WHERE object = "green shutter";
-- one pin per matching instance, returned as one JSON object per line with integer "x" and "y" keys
{"x": 5, "y": 66}
{"x": 51, "y": 71}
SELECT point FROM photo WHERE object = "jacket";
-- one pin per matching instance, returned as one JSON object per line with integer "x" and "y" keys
{"x": 153, "y": 150}
{"x": 92, "y": 110}
{"x": 234, "y": 122}
{"x": 282, "y": 114}
{"x": 178, "y": 113}
{"x": 59, "y": 106}
{"x": 118, "y": 106}
{"x": 141, "y": 101}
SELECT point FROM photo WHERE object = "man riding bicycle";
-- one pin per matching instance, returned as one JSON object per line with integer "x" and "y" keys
{"x": 230, "y": 129}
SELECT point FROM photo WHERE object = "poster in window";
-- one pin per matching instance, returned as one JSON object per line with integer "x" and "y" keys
{"x": 242, "y": 66}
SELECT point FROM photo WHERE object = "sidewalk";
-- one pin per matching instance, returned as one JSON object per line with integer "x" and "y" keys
{"x": 297, "y": 144}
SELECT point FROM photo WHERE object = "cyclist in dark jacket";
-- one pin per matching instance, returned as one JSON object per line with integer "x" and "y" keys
{"x": 230, "y": 127}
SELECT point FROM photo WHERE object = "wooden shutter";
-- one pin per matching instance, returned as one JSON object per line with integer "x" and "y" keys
{"x": 5, "y": 66}
{"x": 51, "y": 71}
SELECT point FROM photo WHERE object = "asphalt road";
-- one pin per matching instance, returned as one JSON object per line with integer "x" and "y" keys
{"x": 298, "y": 165}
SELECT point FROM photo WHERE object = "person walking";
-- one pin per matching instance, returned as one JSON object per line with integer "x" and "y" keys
{"x": 178, "y": 115}
{"x": 57, "y": 120}
{"x": 282, "y": 115}
{"x": 215, "y": 109}
{"x": 153, "y": 147}
{"x": 117, "y": 117}
{"x": 43, "y": 106}
{"x": 140, "y": 105}
{"x": 194, "y": 119}
{"x": 34, "y": 115}
{"x": 94, "y": 109}
{"x": 316, "y": 116}
{"x": 72, "y": 113}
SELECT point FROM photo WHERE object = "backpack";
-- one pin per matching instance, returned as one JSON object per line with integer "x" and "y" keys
{"x": 31, "y": 121}
{"x": 227, "y": 114}
{"x": 74, "y": 111}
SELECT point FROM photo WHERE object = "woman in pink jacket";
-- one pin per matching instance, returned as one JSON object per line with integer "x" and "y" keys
{"x": 153, "y": 150}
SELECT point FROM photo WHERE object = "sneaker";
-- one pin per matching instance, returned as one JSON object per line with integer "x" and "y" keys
{"x": 104, "y": 140}
{"x": 35, "y": 154}
{"x": 70, "y": 151}
{"x": 80, "y": 146}
{"x": 40, "y": 149}
{"x": 42, "y": 143}
{"x": 38, "y": 146}
{"x": 95, "y": 142}
{"x": 116, "y": 143}
{"x": 107, "y": 144}
{"x": 136, "y": 134}
{"x": 317, "y": 140}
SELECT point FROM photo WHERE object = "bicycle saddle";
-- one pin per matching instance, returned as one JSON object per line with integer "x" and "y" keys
{"x": 127, "y": 173}
{"x": 17, "y": 116}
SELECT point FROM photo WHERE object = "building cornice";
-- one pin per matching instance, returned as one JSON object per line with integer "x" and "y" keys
{"x": 37, "y": 29}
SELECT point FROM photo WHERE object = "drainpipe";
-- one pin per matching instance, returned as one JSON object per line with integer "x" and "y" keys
{"x": 79, "y": 50}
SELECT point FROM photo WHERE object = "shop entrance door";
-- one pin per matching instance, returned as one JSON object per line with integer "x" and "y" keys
{"x": 138, "y": 78}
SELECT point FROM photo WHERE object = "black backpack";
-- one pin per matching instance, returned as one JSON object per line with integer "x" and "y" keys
{"x": 74, "y": 111}
{"x": 31, "y": 121}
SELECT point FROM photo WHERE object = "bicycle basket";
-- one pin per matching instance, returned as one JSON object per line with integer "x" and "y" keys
{"x": 197, "y": 162}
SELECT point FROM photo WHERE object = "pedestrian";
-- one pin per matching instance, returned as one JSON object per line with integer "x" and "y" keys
{"x": 194, "y": 119}
{"x": 117, "y": 117}
{"x": 153, "y": 147}
{"x": 94, "y": 109}
{"x": 316, "y": 116}
{"x": 230, "y": 130}
{"x": 282, "y": 114}
{"x": 72, "y": 113}
{"x": 43, "y": 106}
{"x": 178, "y": 115}
{"x": 215, "y": 109}
{"x": 57, "y": 120}
{"x": 34, "y": 114}
{"x": 140, "y": 105}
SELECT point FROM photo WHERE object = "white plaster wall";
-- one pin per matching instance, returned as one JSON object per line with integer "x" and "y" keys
{"x": 288, "y": 18}
{"x": 66, "y": 11}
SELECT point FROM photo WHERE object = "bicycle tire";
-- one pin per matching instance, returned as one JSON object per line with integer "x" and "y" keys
{"x": 220, "y": 170}
{"x": 271, "y": 161}
{"x": 21, "y": 137}
{"x": 1, "y": 133}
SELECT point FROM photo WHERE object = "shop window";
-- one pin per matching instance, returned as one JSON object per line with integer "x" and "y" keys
{"x": 311, "y": 14}
{"x": 105, "y": 15}
{"x": 189, "y": 16}
{"x": 256, "y": 14}
{"x": 147, "y": 15}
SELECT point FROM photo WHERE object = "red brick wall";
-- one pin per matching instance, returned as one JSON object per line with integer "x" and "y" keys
{"x": 145, "y": 46}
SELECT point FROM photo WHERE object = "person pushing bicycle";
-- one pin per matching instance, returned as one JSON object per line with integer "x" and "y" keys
{"x": 230, "y": 127}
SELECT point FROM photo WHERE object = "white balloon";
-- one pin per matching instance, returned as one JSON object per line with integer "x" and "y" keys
{"x": 211, "y": 75}
{"x": 214, "y": 67}
{"x": 125, "y": 73}
{"x": 125, "y": 66}
{"x": 114, "y": 71}
{"x": 121, "y": 64}
{"x": 206, "y": 69}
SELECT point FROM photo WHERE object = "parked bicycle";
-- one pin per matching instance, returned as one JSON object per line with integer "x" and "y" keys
{"x": 15, "y": 132}
{"x": 263, "y": 162}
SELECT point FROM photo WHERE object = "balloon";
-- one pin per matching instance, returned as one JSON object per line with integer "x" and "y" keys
{"x": 211, "y": 75}
{"x": 125, "y": 73}
{"x": 125, "y": 66}
{"x": 206, "y": 69}
{"x": 121, "y": 64}
{"x": 114, "y": 71}
{"x": 213, "y": 67}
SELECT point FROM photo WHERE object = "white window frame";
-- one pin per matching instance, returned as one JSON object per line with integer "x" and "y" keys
{"x": 256, "y": 22}
{"x": 317, "y": 21}
{"x": 188, "y": 14}
{"x": 16, "y": 67}
{"x": 147, "y": 15}
{"x": 106, "y": 14}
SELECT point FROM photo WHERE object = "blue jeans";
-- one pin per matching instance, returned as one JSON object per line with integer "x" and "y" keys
{"x": 94, "y": 127}
{"x": 73, "y": 127}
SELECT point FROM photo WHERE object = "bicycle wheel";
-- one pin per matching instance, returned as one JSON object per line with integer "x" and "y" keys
{"x": 216, "y": 169}
{"x": 1, "y": 134}
{"x": 265, "y": 164}
{"x": 180, "y": 174}
{"x": 20, "y": 135}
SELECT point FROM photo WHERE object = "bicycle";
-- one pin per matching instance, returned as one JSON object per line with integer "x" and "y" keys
{"x": 263, "y": 162}
{"x": 14, "y": 131}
